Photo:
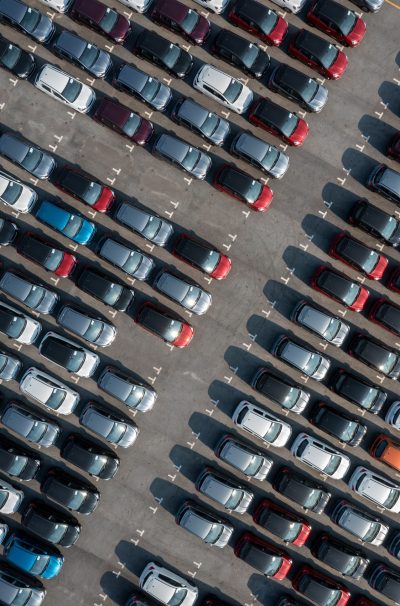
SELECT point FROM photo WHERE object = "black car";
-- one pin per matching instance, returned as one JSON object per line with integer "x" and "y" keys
{"x": 262, "y": 556}
{"x": 386, "y": 314}
{"x": 241, "y": 53}
{"x": 358, "y": 390}
{"x": 279, "y": 121}
{"x": 146, "y": 88}
{"x": 162, "y": 52}
{"x": 319, "y": 588}
{"x": 27, "y": 19}
{"x": 280, "y": 389}
{"x": 201, "y": 121}
{"x": 393, "y": 545}
{"x": 96, "y": 460}
{"x": 203, "y": 256}
{"x": 284, "y": 524}
{"x": 385, "y": 181}
{"x": 376, "y": 355}
{"x": 16, "y": 461}
{"x": 86, "y": 55}
{"x": 85, "y": 188}
{"x": 107, "y": 290}
{"x": 14, "y": 59}
{"x": 347, "y": 560}
{"x": 8, "y": 232}
{"x": 386, "y": 581}
{"x": 348, "y": 430}
{"x": 297, "y": 86}
{"x": 356, "y": 254}
{"x": 299, "y": 489}
{"x": 66, "y": 490}
{"x": 51, "y": 524}
{"x": 376, "y": 222}
{"x": 46, "y": 255}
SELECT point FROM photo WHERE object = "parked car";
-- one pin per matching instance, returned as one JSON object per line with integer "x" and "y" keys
{"x": 356, "y": 254}
{"x": 15, "y": 60}
{"x": 348, "y": 430}
{"x": 320, "y": 456}
{"x": 34, "y": 428}
{"x": 202, "y": 256}
{"x": 282, "y": 523}
{"x": 224, "y": 490}
{"x": 309, "y": 361}
{"x": 216, "y": 6}
{"x": 259, "y": 20}
{"x": 124, "y": 388}
{"x": 101, "y": 18}
{"x": 33, "y": 295}
{"x": 27, "y": 19}
{"x": 386, "y": 314}
{"x": 298, "y": 488}
{"x": 16, "y": 586}
{"x": 278, "y": 121}
{"x": 209, "y": 125}
{"x": 385, "y": 181}
{"x": 51, "y": 524}
{"x": 392, "y": 416}
{"x": 64, "y": 88}
{"x": 166, "y": 586}
{"x": 163, "y": 53}
{"x": 10, "y": 498}
{"x": 48, "y": 391}
{"x": 68, "y": 355}
{"x": 243, "y": 456}
{"x": 70, "y": 492}
{"x": 87, "y": 455}
{"x": 292, "y": 6}
{"x": 260, "y": 154}
{"x": 318, "y": 53}
{"x": 393, "y": 148}
{"x": 18, "y": 326}
{"x": 358, "y": 390}
{"x": 340, "y": 288}
{"x": 42, "y": 252}
{"x": 85, "y": 188}
{"x": 359, "y": 523}
{"x": 386, "y": 450}
{"x": 376, "y": 488}
{"x": 211, "y": 529}
{"x": 144, "y": 87}
{"x": 72, "y": 226}
{"x": 33, "y": 556}
{"x": 181, "y": 19}
{"x": 88, "y": 326}
{"x": 61, "y": 6}
{"x": 180, "y": 153}
{"x": 261, "y": 424}
{"x": 15, "y": 194}
{"x": 115, "y": 429}
{"x": 240, "y": 185}
{"x": 8, "y": 232}
{"x": 188, "y": 294}
{"x": 123, "y": 121}
{"x": 38, "y": 163}
{"x": 272, "y": 562}
{"x": 386, "y": 581}
{"x": 337, "y": 21}
{"x": 393, "y": 546}
{"x": 149, "y": 226}
{"x": 130, "y": 260}
{"x": 298, "y": 87}
{"x": 222, "y": 88}
{"x": 82, "y": 53}
{"x": 280, "y": 389}
{"x": 375, "y": 221}
{"x": 375, "y": 354}
{"x": 320, "y": 322}
{"x": 319, "y": 588}
{"x": 105, "y": 289}
{"x": 241, "y": 53}
{"x": 10, "y": 366}
{"x": 371, "y": 6}
{"x": 139, "y": 6}
{"x": 394, "y": 280}
{"x": 164, "y": 324}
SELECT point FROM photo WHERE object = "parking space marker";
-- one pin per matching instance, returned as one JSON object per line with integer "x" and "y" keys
{"x": 188, "y": 181}
{"x": 127, "y": 14}
{"x": 264, "y": 180}
{"x": 17, "y": 346}
{"x": 111, "y": 181}
{"x": 35, "y": 313}
{"x": 342, "y": 312}
{"x": 172, "y": 478}
{"x": 244, "y": 80}
{"x": 73, "y": 247}
{"x": 247, "y": 346}
{"x": 342, "y": 180}
{"x": 141, "y": 532}
{"x": 246, "y": 213}
{"x": 304, "y": 246}
{"x": 263, "y": 47}
{"x": 210, "y": 412}
{"x": 174, "y": 204}
{"x": 380, "y": 378}
{"x": 302, "y": 114}
{"x": 291, "y": 270}
{"x": 90, "y": 81}
{"x": 32, "y": 48}
{"x": 381, "y": 509}
{"x": 397, "y": 81}
{"x": 282, "y": 13}
{"x": 361, "y": 279}
{"x": 234, "y": 369}
{"x": 117, "y": 573}
{"x": 14, "y": 81}
{"x": 34, "y": 181}
{"x": 167, "y": 81}
{"x": 227, "y": 246}
{"x": 189, "y": 313}
{"x": 197, "y": 564}
{"x": 121, "y": 564}
{"x": 283, "y": 146}
{"x": 158, "y": 370}
{"x": 112, "y": 313}
{"x": 379, "y": 114}
{"x": 192, "y": 574}
{"x": 321, "y": 80}
{"x": 304, "y": 378}
{"x": 55, "y": 280}
{"x": 365, "y": 137}
{"x": 130, "y": 147}
{"x": 361, "y": 411}
{"x": 103, "y": 596}
{"x": 232, "y": 237}
{"x": 134, "y": 541}
{"x": 2, "y": 106}
{"x": 208, "y": 279}
{"x": 360, "y": 14}
{"x": 225, "y": 113}
{"x": 397, "y": 213}
{"x": 53, "y": 147}
{"x": 285, "y": 280}
{"x": 171, "y": 347}
{"x": 178, "y": 467}
{"x": 59, "y": 137}
{"x": 204, "y": 13}
{"x": 109, "y": 48}
{"x": 187, "y": 47}
{"x": 360, "y": 147}
{"x": 72, "y": 114}
{"x": 322, "y": 213}
{"x": 150, "y": 247}
{"x": 266, "y": 313}
{"x": 131, "y": 281}
{"x": 92, "y": 213}
{"x": 148, "y": 114}
{"x": 253, "y": 337}
{"x": 159, "y": 500}
{"x": 169, "y": 213}
{"x": 323, "y": 345}
{"x": 15, "y": 214}
{"x": 152, "y": 380}
{"x": 75, "y": 379}
{"x": 228, "y": 379}
{"x": 50, "y": 14}
{"x": 191, "y": 445}
{"x": 207, "y": 147}
{"x": 384, "y": 105}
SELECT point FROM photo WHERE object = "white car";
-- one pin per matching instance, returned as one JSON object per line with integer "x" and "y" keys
{"x": 262, "y": 424}
{"x": 140, "y": 6}
{"x": 320, "y": 456}
{"x": 10, "y": 498}
{"x": 216, "y": 6}
{"x": 166, "y": 586}
{"x": 376, "y": 488}
{"x": 293, "y": 6}
{"x": 63, "y": 87}
{"x": 15, "y": 194}
{"x": 61, "y": 6}
{"x": 223, "y": 88}
{"x": 48, "y": 391}
{"x": 18, "y": 326}
{"x": 393, "y": 415}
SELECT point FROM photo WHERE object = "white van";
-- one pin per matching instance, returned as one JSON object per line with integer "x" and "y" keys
{"x": 61, "y": 6}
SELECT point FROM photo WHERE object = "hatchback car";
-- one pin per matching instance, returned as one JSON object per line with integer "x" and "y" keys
{"x": 320, "y": 322}
{"x": 85, "y": 55}
{"x": 149, "y": 226}
{"x": 87, "y": 455}
{"x": 126, "y": 389}
{"x": 337, "y": 21}
{"x": 309, "y": 361}
{"x": 319, "y": 588}
{"x": 104, "y": 288}
{"x": 48, "y": 391}
{"x": 358, "y": 390}
{"x": 15, "y": 194}
{"x": 298, "y": 87}
{"x": 376, "y": 488}
{"x": 130, "y": 260}
{"x": 211, "y": 529}
{"x": 34, "y": 428}
{"x": 115, "y": 429}
{"x": 101, "y": 18}
{"x": 318, "y": 54}
{"x": 333, "y": 421}
{"x": 188, "y": 294}
{"x": 38, "y": 163}
{"x": 15, "y": 60}
{"x": 68, "y": 355}
{"x": 69, "y": 491}
{"x": 201, "y": 121}
{"x": 42, "y": 252}
{"x": 85, "y": 188}
{"x": 259, "y": 20}
{"x": 386, "y": 314}
{"x": 356, "y": 254}
{"x": 282, "y": 523}
{"x": 272, "y": 562}
{"x": 393, "y": 148}
{"x": 386, "y": 450}
{"x": 320, "y": 456}
{"x": 241, "y": 53}
{"x": 240, "y": 185}
{"x": 375, "y": 354}
{"x": 16, "y": 587}
{"x": 164, "y": 324}
{"x": 33, "y": 295}
{"x": 224, "y": 490}
{"x": 18, "y": 462}
{"x": 376, "y": 222}
{"x": 202, "y": 256}
{"x": 8, "y": 232}
{"x": 361, "y": 524}
{"x": 278, "y": 121}
{"x": 222, "y": 88}
{"x": 393, "y": 545}
{"x": 297, "y": 488}
{"x": 261, "y": 424}
{"x": 166, "y": 586}
{"x": 292, "y": 6}
{"x": 392, "y": 416}
{"x": 260, "y": 154}
{"x": 386, "y": 581}
{"x": 280, "y": 389}
{"x": 243, "y": 456}
{"x": 385, "y": 181}
{"x": 27, "y": 19}
{"x": 10, "y": 498}
{"x": 180, "y": 153}
{"x": 51, "y": 524}
{"x": 144, "y": 87}
{"x": 340, "y": 288}
{"x": 10, "y": 366}
{"x": 33, "y": 556}
{"x": 90, "y": 327}
{"x": 394, "y": 280}
{"x": 18, "y": 326}
{"x": 216, "y": 6}
{"x": 160, "y": 51}
{"x": 181, "y": 19}
{"x": 64, "y": 88}
{"x": 123, "y": 121}
{"x": 72, "y": 226}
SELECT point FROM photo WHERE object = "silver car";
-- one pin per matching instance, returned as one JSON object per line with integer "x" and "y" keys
{"x": 48, "y": 391}
{"x": 38, "y": 163}
{"x": 189, "y": 295}
{"x": 24, "y": 422}
{"x": 376, "y": 488}
{"x": 307, "y": 360}
{"x": 166, "y": 586}
{"x": 359, "y": 523}
{"x": 262, "y": 424}
{"x": 224, "y": 491}
{"x": 18, "y": 326}
{"x": 393, "y": 415}
{"x": 116, "y": 430}
{"x": 62, "y": 87}
{"x": 10, "y": 498}
{"x": 9, "y": 366}
{"x": 15, "y": 194}
{"x": 93, "y": 329}
{"x": 182, "y": 154}
{"x": 148, "y": 226}
{"x": 320, "y": 456}
{"x": 261, "y": 154}
{"x": 131, "y": 260}
{"x": 202, "y": 523}
{"x": 33, "y": 295}
{"x": 27, "y": 19}
{"x": 125, "y": 389}
{"x": 320, "y": 322}
{"x": 243, "y": 457}
{"x": 17, "y": 588}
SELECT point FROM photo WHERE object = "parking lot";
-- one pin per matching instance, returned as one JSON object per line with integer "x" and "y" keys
{"x": 273, "y": 257}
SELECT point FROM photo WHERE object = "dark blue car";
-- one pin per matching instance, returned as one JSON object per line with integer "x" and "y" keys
{"x": 33, "y": 556}
{"x": 74, "y": 227}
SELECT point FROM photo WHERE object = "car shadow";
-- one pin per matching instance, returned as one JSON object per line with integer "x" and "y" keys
{"x": 377, "y": 132}
{"x": 358, "y": 164}
{"x": 390, "y": 95}
{"x": 340, "y": 199}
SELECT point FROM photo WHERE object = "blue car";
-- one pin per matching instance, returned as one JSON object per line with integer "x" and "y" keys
{"x": 33, "y": 556}
{"x": 74, "y": 227}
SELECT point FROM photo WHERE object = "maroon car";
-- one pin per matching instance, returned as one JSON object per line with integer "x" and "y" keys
{"x": 181, "y": 19}
{"x": 101, "y": 18}
{"x": 124, "y": 121}
{"x": 393, "y": 149}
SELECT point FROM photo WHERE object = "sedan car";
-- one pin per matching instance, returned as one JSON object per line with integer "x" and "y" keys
{"x": 64, "y": 88}
{"x": 8, "y": 232}
{"x": 166, "y": 586}
{"x": 298, "y": 87}
{"x": 180, "y": 153}
{"x": 42, "y": 252}
{"x": 346, "y": 429}
{"x": 299, "y": 489}
{"x": 282, "y": 523}
{"x": 48, "y": 391}
{"x": 87, "y": 455}
{"x": 224, "y": 490}
{"x": 278, "y": 121}
{"x": 15, "y": 194}
{"x": 101, "y": 18}
{"x": 201, "y": 121}
{"x": 375, "y": 354}
{"x": 375, "y": 221}
{"x": 188, "y": 294}
{"x": 27, "y": 19}
{"x": 260, "y": 154}
{"x": 337, "y": 21}
{"x": 164, "y": 324}
{"x": 280, "y": 389}
{"x": 18, "y": 326}
{"x": 376, "y": 488}
{"x": 100, "y": 286}
{"x": 85, "y": 188}
{"x": 318, "y": 53}
{"x": 320, "y": 456}
{"x": 124, "y": 388}
{"x": 123, "y": 121}
{"x": 394, "y": 280}
{"x": 15, "y": 60}
{"x": 386, "y": 314}
{"x": 319, "y": 588}
{"x": 82, "y": 53}
{"x": 356, "y": 254}
{"x": 243, "y": 456}
{"x": 34, "y": 428}
{"x": 309, "y": 361}
{"x": 393, "y": 148}
{"x": 202, "y": 256}
{"x": 18, "y": 462}
{"x": 358, "y": 390}
{"x": 72, "y": 226}
{"x": 148, "y": 225}
{"x": 33, "y": 556}
{"x": 10, "y": 498}
{"x": 33, "y": 295}
{"x": 115, "y": 429}
{"x": 386, "y": 581}
{"x": 51, "y": 524}
{"x": 240, "y": 185}
{"x": 386, "y": 450}
{"x": 264, "y": 557}
{"x": 359, "y": 523}
{"x": 340, "y": 288}
{"x": 16, "y": 587}
{"x": 90, "y": 327}
{"x": 160, "y": 51}
{"x": 70, "y": 492}
{"x": 259, "y": 20}
{"x": 68, "y": 355}
{"x": 261, "y": 424}
{"x": 10, "y": 366}
{"x": 392, "y": 416}
{"x": 320, "y": 322}
{"x": 38, "y": 163}
{"x": 144, "y": 87}
{"x": 130, "y": 260}
{"x": 181, "y": 19}
{"x": 241, "y": 53}
{"x": 385, "y": 181}
{"x": 211, "y": 529}
{"x": 222, "y": 88}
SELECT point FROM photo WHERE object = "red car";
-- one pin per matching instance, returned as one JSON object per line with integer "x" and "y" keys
{"x": 181, "y": 19}
{"x": 282, "y": 523}
{"x": 278, "y": 121}
{"x": 319, "y": 588}
{"x": 340, "y": 288}
{"x": 204, "y": 257}
{"x": 386, "y": 314}
{"x": 101, "y": 18}
{"x": 124, "y": 121}
{"x": 164, "y": 324}
{"x": 264, "y": 557}
{"x": 257, "y": 19}
{"x": 354, "y": 253}
{"x": 337, "y": 21}
{"x": 86, "y": 189}
{"x": 393, "y": 149}
{"x": 240, "y": 185}
{"x": 394, "y": 280}
{"x": 318, "y": 53}
{"x": 42, "y": 252}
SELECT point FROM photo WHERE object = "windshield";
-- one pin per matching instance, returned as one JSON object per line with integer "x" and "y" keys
{"x": 390, "y": 362}
{"x": 32, "y": 159}
{"x": 389, "y": 228}
{"x": 313, "y": 363}
{"x": 172, "y": 56}
{"x": 371, "y": 261}
{"x": 150, "y": 89}
{"x": 233, "y": 91}
{"x": 73, "y": 226}
{"x": 254, "y": 466}
{"x": 214, "y": 534}
{"x": 30, "y": 20}
{"x": 131, "y": 125}
{"x": 234, "y": 499}
{"x": 289, "y": 125}
{"x": 273, "y": 432}
{"x": 16, "y": 327}
{"x": 37, "y": 431}
{"x": 137, "y": 394}
{"x": 89, "y": 55}
{"x": 191, "y": 159}
{"x": 190, "y": 21}
{"x": 93, "y": 331}
{"x": 11, "y": 56}
{"x": 54, "y": 259}
{"x": 272, "y": 155}
{"x": 23, "y": 597}
{"x": 254, "y": 191}
{"x": 178, "y": 597}
{"x": 113, "y": 293}
{"x": 352, "y": 293}
{"x": 76, "y": 360}
{"x": 35, "y": 296}
{"x": 251, "y": 55}
{"x": 328, "y": 55}
{"x": 131, "y": 264}
{"x": 152, "y": 228}
{"x": 39, "y": 566}
{"x": 92, "y": 193}
{"x": 116, "y": 433}
{"x": 292, "y": 531}
{"x": 268, "y": 23}
{"x": 210, "y": 124}
{"x": 350, "y": 431}
{"x": 72, "y": 90}
{"x": 17, "y": 466}
{"x": 333, "y": 464}
{"x": 12, "y": 193}
{"x": 372, "y": 532}
{"x": 56, "y": 398}
{"x": 347, "y": 22}
{"x": 108, "y": 20}
{"x": 312, "y": 499}
{"x": 332, "y": 329}
{"x": 310, "y": 90}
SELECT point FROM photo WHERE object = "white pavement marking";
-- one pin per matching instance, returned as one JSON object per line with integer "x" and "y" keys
{"x": 53, "y": 147}
{"x": 188, "y": 181}
{"x": 111, "y": 181}
{"x": 59, "y": 137}
{"x": 90, "y": 81}
{"x": 112, "y": 313}
{"x": 167, "y": 81}
{"x": 72, "y": 114}
{"x": 32, "y": 48}
{"x": 33, "y": 180}
{"x": 14, "y": 81}
{"x": 228, "y": 379}
{"x": 130, "y": 147}
{"x": 169, "y": 213}
{"x": 148, "y": 114}
{"x": 109, "y": 48}
{"x": 225, "y": 113}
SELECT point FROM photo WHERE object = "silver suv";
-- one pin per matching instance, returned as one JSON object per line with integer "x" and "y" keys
{"x": 125, "y": 389}
{"x": 33, "y": 295}
{"x": 320, "y": 322}
{"x": 48, "y": 391}
{"x": 148, "y": 226}
{"x": 91, "y": 328}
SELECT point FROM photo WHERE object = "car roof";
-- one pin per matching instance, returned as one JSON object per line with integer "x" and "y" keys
{"x": 233, "y": 42}
{"x": 252, "y": 146}
{"x": 173, "y": 147}
{"x": 173, "y": 285}
{"x": 215, "y": 78}
{"x": 170, "y": 8}
{"x": 14, "y": 146}
{"x": 334, "y": 282}
{"x": 113, "y": 111}
{"x": 272, "y": 113}
{"x": 193, "y": 112}
{"x": 157, "y": 320}
{"x": 54, "y": 77}
{"x": 390, "y": 179}
{"x": 275, "y": 387}
{"x": 91, "y": 8}
{"x": 371, "y": 350}
{"x": 14, "y": 9}
{"x": 76, "y": 319}
{"x": 155, "y": 43}
{"x": 391, "y": 313}
{"x": 133, "y": 215}
{"x": 372, "y": 215}
{"x": 354, "y": 250}
{"x": 292, "y": 78}
{"x": 18, "y": 285}
{"x": 254, "y": 11}
{"x": 71, "y": 42}
{"x": 133, "y": 76}
{"x": 332, "y": 10}
{"x": 197, "y": 523}
{"x": 318, "y": 593}
{"x": 236, "y": 179}
{"x": 258, "y": 558}
{"x": 238, "y": 455}
{"x": 314, "y": 318}
{"x": 295, "y": 353}
{"x": 312, "y": 43}
{"x": 278, "y": 524}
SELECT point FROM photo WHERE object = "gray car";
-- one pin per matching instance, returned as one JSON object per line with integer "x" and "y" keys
{"x": 131, "y": 260}
{"x": 33, "y": 295}
{"x": 38, "y": 163}
{"x": 149, "y": 226}
{"x": 18, "y": 326}
{"x": 91, "y": 328}
{"x": 17, "y": 588}
{"x": 25, "y": 423}
{"x": 132, "y": 80}
{"x": 48, "y": 391}
{"x": 9, "y": 366}
{"x": 264, "y": 156}
{"x": 182, "y": 154}
{"x": 223, "y": 490}
{"x": 320, "y": 322}
{"x": 125, "y": 389}
{"x": 189, "y": 295}
{"x": 200, "y": 120}
{"x": 359, "y": 523}
{"x": 307, "y": 360}
{"x": 202, "y": 523}
{"x": 244, "y": 457}
{"x": 88, "y": 56}
{"x": 116, "y": 430}
{"x": 27, "y": 19}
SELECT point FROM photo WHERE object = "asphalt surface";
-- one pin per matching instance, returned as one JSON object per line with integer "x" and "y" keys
{"x": 273, "y": 258}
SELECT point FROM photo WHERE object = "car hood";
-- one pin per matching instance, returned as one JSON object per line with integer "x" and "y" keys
{"x": 86, "y": 233}
{"x": 44, "y": 29}
{"x": 319, "y": 100}
{"x": 260, "y": 64}
{"x": 202, "y": 166}
{"x": 48, "y": 303}
{"x": 221, "y": 132}
{"x": 13, "y": 502}
{"x": 90, "y": 364}
{"x": 50, "y": 436}
{"x": 45, "y": 167}
{"x": 11, "y": 368}
{"x": 129, "y": 437}
{"x": 203, "y": 304}
{"x": 394, "y": 239}
{"x": 106, "y": 336}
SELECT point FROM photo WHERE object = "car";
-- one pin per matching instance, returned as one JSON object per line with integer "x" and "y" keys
{"x": 16, "y": 586}
{"x": 181, "y": 19}
{"x": 375, "y": 354}
{"x": 35, "y": 428}
{"x": 15, "y": 60}
{"x": 96, "y": 460}
{"x": 386, "y": 314}
{"x": 72, "y": 226}
{"x": 61, "y": 6}
{"x": 88, "y": 326}
{"x": 180, "y": 153}
{"x": 298, "y": 87}
{"x": 272, "y": 562}
{"x": 48, "y": 391}
{"x": 337, "y": 21}
{"x": 282, "y": 523}
{"x": 51, "y": 524}
{"x": 10, "y": 498}
{"x": 286, "y": 600}
{"x": 82, "y": 53}
{"x": 394, "y": 280}
{"x": 188, "y": 294}
{"x": 209, "y": 125}
{"x": 375, "y": 221}
{"x": 166, "y": 586}
{"x": 259, "y": 20}
{"x": 320, "y": 456}
{"x": 340, "y": 288}
{"x": 240, "y": 185}
{"x": 386, "y": 450}
{"x": 260, "y": 154}
{"x": 224, "y": 490}
{"x": 68, "y": 355}
{"x": 70, "y": 492}
{"x": 358, "y": 390}
{"x": 223, "y": 89}
{"x": 356, "y": 254}
{"x": 318, "y": 321}
{"x": 18, "y": 150}
{"x": 166, "y": 325}
{"x": 202, "y": 256}
{"x": 85, "y": 188}
{"x": 278, "y": 121}
{"x": 359, "y": 523}
{"x": 392, "y": 416}
{"x": 371, "y": 6}
{"x": 393, "y": 545}
{"x": 319, "y": 588}
{"x": 123, "y": 121}
{"x": 148, "y": 225}
{"x": 139, "y": 6}
{"x": 27, "y": 19}
{"x": 101, "y": 18}
{"x": 160, "y": 51}
{"x": 144, "y": 87}
{"x": 64, "y": 88}
{"x": 318, "y": 53}
{"x": 385, "y": 181}
{"x": 130, "y": 260}
{"x": 15, "y": 194}
{"x": 375, "y": 488}
{"x": 115, "y": 429}
{"x": 211, "y": 529}
{"x": 45, "y": 254}
{"x": 280, "y": 389}
{"x": 298, "y": 488}
{"x": 30, "y": 293}
{"x": 348, "y": 430}
{"x": 386, "y": 581}
{"x": 241, "y": 53}
{"x": 393, "y": 148}
{"x": 10, "y": 366}
{"x": 33, "y": 556}
{"x": 292, "y": 6}
{"x": 126, "y": 389}
{"x": 261, "y": 424}
{"x": 104, "y": 288}
{"x": 243, "y": 456}
{"x": 18, "y": 326}
{"x": 8, "y": 232}
{"x": 309, "y": 361}
{"x": 216, "y": 6}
